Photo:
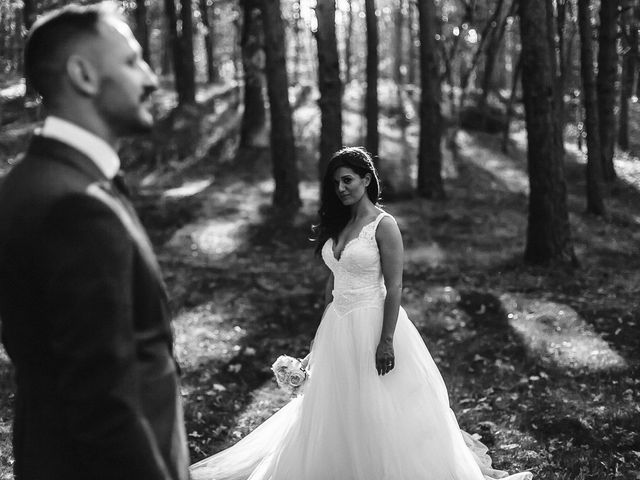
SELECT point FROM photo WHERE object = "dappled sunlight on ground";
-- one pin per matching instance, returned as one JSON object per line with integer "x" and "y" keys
{"x": 628, "y": 168}
{"x": 557, "y": 337}
{"x": 265, "y": 401}
{"x": 213, "y": 238}
{"x": 188, "y": 189}
{"x": 219, "y": 231}
{"x": 510, "y": 171}
{"x": 223, "y": 228}
{"x": 430, "y": 254}
{"x": 207, "y": 331}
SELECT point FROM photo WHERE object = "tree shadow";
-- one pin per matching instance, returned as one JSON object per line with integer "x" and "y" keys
{"x": 241, "y": 309}
{"x": 621, "y": 194}
{"x": 590, "y": 409}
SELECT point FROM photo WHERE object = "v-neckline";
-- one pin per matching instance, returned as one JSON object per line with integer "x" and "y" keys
{"x": 333, "y": 243}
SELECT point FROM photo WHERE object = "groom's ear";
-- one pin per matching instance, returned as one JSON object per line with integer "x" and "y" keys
{"x": 82, "y": 75}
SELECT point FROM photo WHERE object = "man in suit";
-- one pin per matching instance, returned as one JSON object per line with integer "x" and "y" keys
{"x": 82, "y": 302}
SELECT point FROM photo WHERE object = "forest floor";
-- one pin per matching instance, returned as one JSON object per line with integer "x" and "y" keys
{"x": 541, "y": 363}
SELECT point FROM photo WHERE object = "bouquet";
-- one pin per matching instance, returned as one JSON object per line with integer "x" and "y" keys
{"x": 290, "y": 374}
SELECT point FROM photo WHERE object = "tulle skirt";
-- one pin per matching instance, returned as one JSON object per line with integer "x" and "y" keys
{"x": 352, "y": 424}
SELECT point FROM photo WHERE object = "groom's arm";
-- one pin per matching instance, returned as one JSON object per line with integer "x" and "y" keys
{"x": 88, "y": 298}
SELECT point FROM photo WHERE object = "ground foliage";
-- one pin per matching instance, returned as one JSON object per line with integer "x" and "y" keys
{"x": 246, "y": 287}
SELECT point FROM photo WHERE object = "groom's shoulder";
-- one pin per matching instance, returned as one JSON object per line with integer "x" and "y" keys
{"x": 35, "y": 184}
{"x": 42, "y": 173}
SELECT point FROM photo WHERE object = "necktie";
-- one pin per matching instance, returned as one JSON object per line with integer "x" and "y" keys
{"x": 121, "y": 184}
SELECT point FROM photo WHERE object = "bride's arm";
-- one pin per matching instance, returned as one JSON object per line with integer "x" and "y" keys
{"x": 391, "y": 258}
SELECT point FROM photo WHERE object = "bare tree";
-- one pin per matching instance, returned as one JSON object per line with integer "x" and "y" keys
{"x": 254, "y": 115}
{"x": 413, "y": 50}
{"x": 142, "y": 29}
{"x": 492, "y": 49}
{"x": 429, "y": 154}
{"x": 595, "y": 202}
{"x": 28, "y": 17}
{"x": 372, "y": 106}
{"x": 512, "y": 97}
{"x": 329, "y": 82}
{"x": 283, "y": 158}
{"x": 209, "y": 47}
{"x": 629, "y": 22}
{"x": 399, "y": 21}
{"x": 347, "y": 47}
{"x": 297, "y": 41}
{"x": 606, "y": 80}
{"x": 548, "y": 231}
{"x": 182, "y": 48}
{"x": 187, "y": 95}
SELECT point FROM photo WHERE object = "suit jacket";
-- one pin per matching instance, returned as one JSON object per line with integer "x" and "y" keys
{"x": 85, "y": 322}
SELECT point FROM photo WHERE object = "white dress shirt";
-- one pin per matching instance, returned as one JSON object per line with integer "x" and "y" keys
{"x": 99, "y": 151}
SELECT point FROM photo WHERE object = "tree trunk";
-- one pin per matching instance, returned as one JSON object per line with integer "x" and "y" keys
{"x": 548, "y": 232}
{"x": 297, "y": 42}
{"x": 629, "y": 67}
{"x": 173, "y": 41}
{"x": 347, "y": 47}
{"x": 329, "y": 83}
{"x": 595, "y": 202}
{"x": 556, "y": 26}
{"x": 429, "y": 154}
{"x": 606, "y": 80}
{"x": 4, "y": 34}
{"x": 207, "y": 23}
{"x": 254, "y": 115}
{"x": 283, "y": 159}
{"x": 236, "y": 59}
{"x": 187, "y": 95}
{"x": 17, "y": 43}
{"x": 166, "y": 59}
{"x": 371, "y": 101}
{"x": 413, "y": 50}
{"x": 29, "y": 17}
{"x": 399, "y": 46}
{"x": 492, "y": 50}
{"x": 512, "y": 97}
{"x": 142, "y": 29}
{"x": 29, "y": 13}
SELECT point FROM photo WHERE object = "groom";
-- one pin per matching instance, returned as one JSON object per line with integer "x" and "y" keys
{"x": 83, "y": 306}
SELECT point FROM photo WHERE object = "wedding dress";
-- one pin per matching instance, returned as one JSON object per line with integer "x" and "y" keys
{"x": 351, "y": 423}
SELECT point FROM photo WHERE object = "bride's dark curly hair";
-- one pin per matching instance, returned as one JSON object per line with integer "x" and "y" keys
{"x": 334, "y": 216}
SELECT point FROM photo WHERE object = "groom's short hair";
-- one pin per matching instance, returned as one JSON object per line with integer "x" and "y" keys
{"x": 51, "y": 40}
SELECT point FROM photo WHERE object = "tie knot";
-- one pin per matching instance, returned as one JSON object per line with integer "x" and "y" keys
{"x": 120, "y": 183}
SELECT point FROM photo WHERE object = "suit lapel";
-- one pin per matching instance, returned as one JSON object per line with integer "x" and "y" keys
{"x": 104, "y": 192}
{"x": 101, "y": 188}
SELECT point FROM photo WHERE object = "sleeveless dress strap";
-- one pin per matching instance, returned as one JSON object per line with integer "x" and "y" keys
{"x": 379, "y": 219}
{"x": 370, "y": 230}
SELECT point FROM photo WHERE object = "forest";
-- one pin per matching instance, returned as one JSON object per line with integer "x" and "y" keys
{"x": 507, "y": 136}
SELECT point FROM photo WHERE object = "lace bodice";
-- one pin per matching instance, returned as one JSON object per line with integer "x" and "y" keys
{"x": 357, "y": 273}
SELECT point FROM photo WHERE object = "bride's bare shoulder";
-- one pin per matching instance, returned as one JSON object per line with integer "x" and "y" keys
{"x": 388, "y": 229}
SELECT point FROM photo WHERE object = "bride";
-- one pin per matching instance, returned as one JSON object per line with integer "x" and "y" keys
{"x": 375, "y": 406}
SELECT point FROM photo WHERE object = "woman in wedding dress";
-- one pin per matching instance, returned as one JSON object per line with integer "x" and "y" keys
{"x": 375, "y": 406}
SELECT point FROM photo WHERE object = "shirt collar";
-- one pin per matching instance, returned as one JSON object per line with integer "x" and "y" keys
{"x": 99, "y": 151}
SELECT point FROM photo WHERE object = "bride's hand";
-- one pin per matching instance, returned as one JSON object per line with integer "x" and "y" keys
{"x": 385, "y": 358}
